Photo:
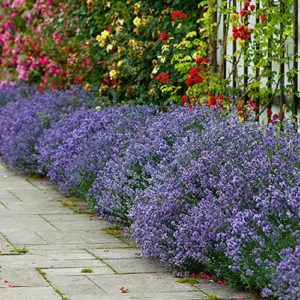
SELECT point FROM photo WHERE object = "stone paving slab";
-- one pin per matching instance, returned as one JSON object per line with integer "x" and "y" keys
{"x": 59, "y": 245}
{"x": 29, "y": 293}
{"x": 21, "y": 277}
{"x": 78, "y": 271}
{"x": 148, "y": 296}
{"x": 140, "y": 283}
{"x": 114, "y": 245}
{"x": 116, "y": 253}
{"x": 136, "y": 265}
{"x": 5, "y": 246}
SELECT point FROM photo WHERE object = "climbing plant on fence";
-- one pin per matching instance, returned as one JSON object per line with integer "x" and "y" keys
{"x": 212, "y": 51}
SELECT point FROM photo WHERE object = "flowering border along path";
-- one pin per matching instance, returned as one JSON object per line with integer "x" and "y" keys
{"x": 59, "y": 254}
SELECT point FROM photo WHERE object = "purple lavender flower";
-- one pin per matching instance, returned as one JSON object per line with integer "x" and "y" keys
{"x": 15, "y": 92}
{"x": 286, "y": 283}
{"x": 24, "y": 121}
{"x": 125, "y": 176}
{"x": 86, "y": 147}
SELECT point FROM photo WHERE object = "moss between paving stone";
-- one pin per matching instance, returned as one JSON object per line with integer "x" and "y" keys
{"x": 77, "y": 205}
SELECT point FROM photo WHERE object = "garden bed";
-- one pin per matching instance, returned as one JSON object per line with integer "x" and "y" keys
{"x": 196, "y": 188}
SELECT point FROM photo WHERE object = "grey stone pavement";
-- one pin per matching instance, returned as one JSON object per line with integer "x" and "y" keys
{"x": 45, "y": 248}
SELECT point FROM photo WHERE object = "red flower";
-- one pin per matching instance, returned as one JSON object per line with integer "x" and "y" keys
{"x": 163, "y": 37}
{"x": 163, "y": 78}
{"x": 199, "y": 60}
{"x": 263, "y": 17}
{"x": 193, "y": 72}
{"x": 198, "y": 79}
{"x": 177, "y": 14}
{"x": 246, "y": 4}
{"x": 252, "y": 7}
{"x": 189, "y": 81}
{"x": 235, "y": 35}
{"x": 183, "y": 99}
{"x": 123, "y": 290}
{"x": 206, "y": 60}
{"x": 243, "y": 12}
{"x": 212, "y": 101}
{"x": 194, "y": 77}
{"x": 190, "y": 105}
{"x": 206, "y": 276}
{"x": 269, "y": 112}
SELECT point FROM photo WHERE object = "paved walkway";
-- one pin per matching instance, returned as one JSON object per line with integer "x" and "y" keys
{"x": 49, "y": 252}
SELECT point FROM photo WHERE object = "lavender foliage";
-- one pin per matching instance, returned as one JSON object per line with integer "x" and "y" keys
{"x": 23, "y": 122}
{"x": 286, "y": 283}
{"x": 228, "y": 201}
{"x": 197, "y": 189}
{"x": 119, "y": 184}
{"x": 14, "y": 92}
{"x": 86, "y": 149}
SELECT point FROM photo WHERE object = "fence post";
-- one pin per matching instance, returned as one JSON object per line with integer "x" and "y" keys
{"x": 257, "y": 71}
{"x": 282, "y": 65}
{"x": 295, "y": 63}
{"x": 234, "y": 71}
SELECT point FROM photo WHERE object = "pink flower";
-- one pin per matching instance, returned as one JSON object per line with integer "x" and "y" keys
{"x": 18, "y": 3}
{"x": 56, "y": 37}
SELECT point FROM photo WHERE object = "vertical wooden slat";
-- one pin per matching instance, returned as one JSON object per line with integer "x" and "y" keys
{"x": 257, "y": 71}
{"x": 224, "y": 43}
{"x": 212, "y": 5}
{"x": 234, "y": 48}
{"x": 296, "y": 64}
{"x": 269, "y": 84}
{"x": 282, "y": 66}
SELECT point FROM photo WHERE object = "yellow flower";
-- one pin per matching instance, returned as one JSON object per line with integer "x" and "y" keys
{"x": 113, "y": 74}
{"x": 109, "y": 48}
{"x": 87, "y": 86}
{"x": 234, "y": 16}
{"x": 98, "y": 107}
{"x": 103, "y": 88}
{"x": 121, "y": 50}
{"x": 101, "y": 39}
{"x": 105, "y": 34}
{"x": 137, "y": 21}
{"x": 162, "y": 58}
{"x": 120, "y": 63}
{"x": 136, "y": 8}
{"x": 155, "y": 70}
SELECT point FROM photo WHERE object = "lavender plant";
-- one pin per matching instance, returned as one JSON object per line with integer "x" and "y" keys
{"x": 119, "y": 184}
{"x": 85, "y": 150}
{"x": 14, "y": 92}
{"x": 197, "y": 189}
{"x": 225, "y": 202}
{"x": 25, "y": 121}
{"x": 286, "y": 284}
